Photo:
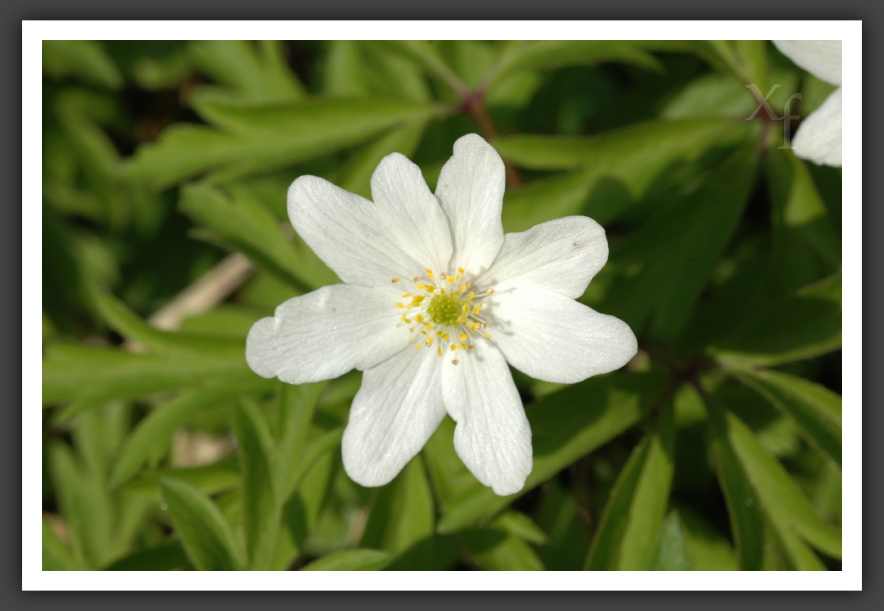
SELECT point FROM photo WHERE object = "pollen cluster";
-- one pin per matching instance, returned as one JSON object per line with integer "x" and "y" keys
{"x": 443, "y": 311}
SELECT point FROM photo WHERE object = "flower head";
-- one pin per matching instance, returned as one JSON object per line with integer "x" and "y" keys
{"x": 436, "y": 300}
{"x": 819, "y": 135}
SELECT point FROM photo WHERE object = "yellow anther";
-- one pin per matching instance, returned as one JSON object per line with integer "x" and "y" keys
{"x": 439, "y": 350}
{"x": 405, "y": 295}
{"x": 490, "y": 291}
{"x": 429, "y": 342}
{"x": 429, "y": 273}
{"x": 488, "y": 335}
{"x": 463, "y": 346}
{"x": 453, "y": 347}
{"x": 463, "y": 337}
{"x": 460, "y": 270}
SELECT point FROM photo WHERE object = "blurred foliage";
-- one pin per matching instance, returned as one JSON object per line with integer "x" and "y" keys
{"x": 717, "y": 448}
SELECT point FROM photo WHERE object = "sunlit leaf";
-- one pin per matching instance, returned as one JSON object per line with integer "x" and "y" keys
{"x": 352, "y": 560}
{"x": 634, "y": 515}
{"x": 203, "y": 531}
{"x": 262, "y": 138}
{"x": 261, "y": 506}
{"x": 815, "y": 409}
{"x": 402, "y": 520}
{"x": 157, "y": 429}
{"x": 612, "y": 171}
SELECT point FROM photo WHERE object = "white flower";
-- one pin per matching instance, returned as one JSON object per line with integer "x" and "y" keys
{"x": 436, "y": 301}
{"x": 819, "y": 135}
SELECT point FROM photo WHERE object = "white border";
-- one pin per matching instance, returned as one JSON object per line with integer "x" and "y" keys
{"x": 33, "y": 578}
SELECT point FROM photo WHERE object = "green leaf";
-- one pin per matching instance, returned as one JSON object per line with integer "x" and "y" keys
{"x": 517, "y": 56}
{"x": 671, "y": 270}
{"x": 520, "y": 525}
{"x": 257, "y": 71}
{"x": 97, "y": 375}
{"x": 813, "y": 408}
{"x": 806, "y": 246}
{"x": 495, "y": 549}
{"x": 83, "y": 59}
{"x": 364, "y": 69}
{"x": 634, "y": 514}
{"x": 565, "y": 425}
{"x": 155, "y": 432}
{"x": 202, "y": 529}
{"x": 352, "y": 560}
{"x": 780, "y": 497}
{"x": 744, "y": 507}
{"x": 707, "y": 549}
{"x": 802, "y": 325}
{"x": 557, "y": 514}
{"x": 670, "y": 549}
{"x": 424, "y": 54}
{"x": 355, "y": 175}
{"x": 166, "y": 557}
{"x": 402, "y": 520}
{"x": 613, "y": 170}
{"x": 297, "y": 405}
{"x": 760, "y": 491}
{"x": 86, "y": 506}
{"x": 215, "y": 477}
{"x": 125, "y": 322}
{"x": 248, "y": 226}
{"x": 266, "y": 137}
{"x": 261, "y": 508}
{"x": 56, "y": 554}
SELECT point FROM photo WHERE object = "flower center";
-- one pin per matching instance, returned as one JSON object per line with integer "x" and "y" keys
{"x": 443, "y": 311}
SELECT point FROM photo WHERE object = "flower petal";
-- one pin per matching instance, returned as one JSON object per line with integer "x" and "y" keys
{"x": 822, "y": 58}
{"x": 394, "y": 413}
{"x": 326, "y": 333}
{"x": 493, "y": 437}
{"x": 470, "y": 190}
{"x": 561, "y": 256}
{"x": 554, "y": 338}
{"x": 398, "y": 186}
{"x": 819, "y": 136}
{"x": 363, "y": 242}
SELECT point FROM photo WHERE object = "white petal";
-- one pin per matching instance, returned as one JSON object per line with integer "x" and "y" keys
{"x": 561, "y": 255}
{"x": 822, "y": 58}
{"x": 394, "y": 413}
{"x": 493, "y": 437}
{"x": 326, "y": 333}
{"x": 398, "y": 186}
{"x": 554, "y": 338}
{"x": 819, "y": 136}
{"x": 363, "y": 242}
{"x": 470, "y": 190}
